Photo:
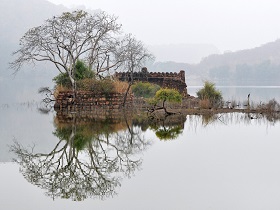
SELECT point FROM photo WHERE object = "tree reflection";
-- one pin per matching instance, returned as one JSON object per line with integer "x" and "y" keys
{"x": 89, "y": 159}
{"x": 92, "y": 154}
{"x": 168, "y": 133}
{"x": 168, "y": 127}
{"x": 228, "y": 118}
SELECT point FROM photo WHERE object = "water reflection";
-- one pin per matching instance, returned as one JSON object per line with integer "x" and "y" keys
{"x": 95, "y": 151}
{"x": 235, "y": 117}
{"x": 89, "y": 160}
{"x": 168, "y": 127}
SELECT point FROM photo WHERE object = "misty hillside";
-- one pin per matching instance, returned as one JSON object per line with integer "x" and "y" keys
{"x": 257, "y": 66}
{"x": 16, "y": 17}
{"x": 269, "y": 51}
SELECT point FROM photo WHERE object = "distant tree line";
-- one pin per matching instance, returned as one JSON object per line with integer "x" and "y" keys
{"x": 265, "y": 73}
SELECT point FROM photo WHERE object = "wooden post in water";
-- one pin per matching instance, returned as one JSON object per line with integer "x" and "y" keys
{"x": 248, "y": 101}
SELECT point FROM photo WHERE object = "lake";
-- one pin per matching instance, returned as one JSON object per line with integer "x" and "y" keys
{"x": 240, "y": 93}
{"x": 65, "y": 161}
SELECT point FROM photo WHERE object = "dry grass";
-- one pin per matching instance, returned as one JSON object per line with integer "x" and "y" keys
{"x": 85, "y": 84}
{"x": 205, "y": 104}
{"x": 272, "y": 106}
{"x": 58, "y": 89}
{"x": 120, "y": 87}
{"x": 89, "y": 84}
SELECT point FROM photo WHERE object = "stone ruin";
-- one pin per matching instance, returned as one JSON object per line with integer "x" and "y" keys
{"x": 171, "y": 80}
{"x": 88, "y": 100}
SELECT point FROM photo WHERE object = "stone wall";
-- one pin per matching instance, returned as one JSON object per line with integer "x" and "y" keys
{"x": 88, "y": 100}
{"x": 163, "y": 79}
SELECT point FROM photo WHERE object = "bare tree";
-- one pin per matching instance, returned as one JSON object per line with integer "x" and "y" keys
{"x": 134, "y": 55}
{"x": 62, "y": 40}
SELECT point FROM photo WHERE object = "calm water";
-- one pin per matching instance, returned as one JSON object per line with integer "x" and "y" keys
{"x": 227, "y": 161}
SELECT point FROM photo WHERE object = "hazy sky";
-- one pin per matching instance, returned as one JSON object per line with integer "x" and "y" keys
{"x": 229, "y": 25}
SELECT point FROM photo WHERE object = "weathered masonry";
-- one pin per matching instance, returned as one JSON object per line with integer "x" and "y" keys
{"x": 88, "y": 100}
{"x": 163, "y": 79}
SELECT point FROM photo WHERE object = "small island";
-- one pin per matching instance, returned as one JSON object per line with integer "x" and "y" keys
{"x": 100, "y": 68}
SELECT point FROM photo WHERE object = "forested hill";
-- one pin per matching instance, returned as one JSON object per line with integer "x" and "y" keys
{"x": 257, "y": 66}
{"x": 269, "y": 51}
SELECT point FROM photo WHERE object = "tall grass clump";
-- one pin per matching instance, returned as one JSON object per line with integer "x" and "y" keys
{"x": 120, "y": 87}
{"x": 209, "y": 95}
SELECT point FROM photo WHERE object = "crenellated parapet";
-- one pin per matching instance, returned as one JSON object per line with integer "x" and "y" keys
{"x": 172, "y": 80}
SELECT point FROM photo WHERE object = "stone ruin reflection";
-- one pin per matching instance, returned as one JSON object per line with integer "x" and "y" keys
{"x": 95, "y": 151}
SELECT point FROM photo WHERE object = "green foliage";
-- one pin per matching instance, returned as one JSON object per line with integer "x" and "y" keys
{"x": 81, "y": 72}
{"x": 83, "y": 133}
{"x": 85, "y": 80}
{"x": 170, "y": 95}
{"x": 80, "y": 138}
{"x": 152, "y": 101}
{"x": 144, "y": 89}
{"x": 63, "y": 133}
{"x": 169, "y": 133}
{"x": 209, "y": 92}
{"x": 81, "y": 141}
{"x": 63, "y": 79}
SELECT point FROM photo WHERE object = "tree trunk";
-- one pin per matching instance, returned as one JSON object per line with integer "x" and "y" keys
{"x": 126, "y": 93}
{"x": 73, "y": 83}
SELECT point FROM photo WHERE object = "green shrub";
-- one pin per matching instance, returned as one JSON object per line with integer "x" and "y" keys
{"x": 209, "y": 92}
{"x": 81, "y": 72}
{"x": 144, "y": 89}
{"x": 170, "y": 95}
{"x": 63, "y": 79}
{"x": 165, "y": 95}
